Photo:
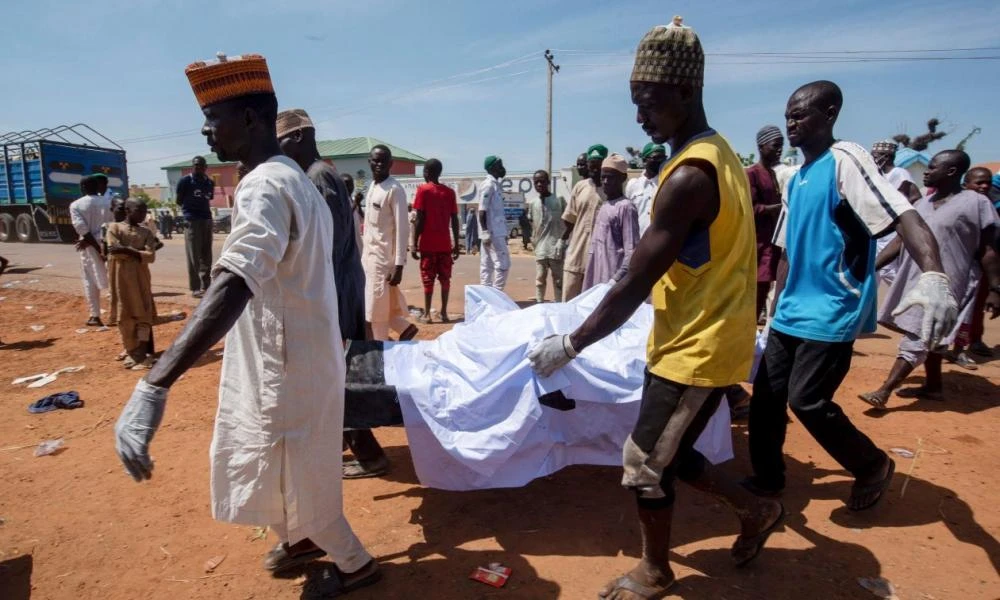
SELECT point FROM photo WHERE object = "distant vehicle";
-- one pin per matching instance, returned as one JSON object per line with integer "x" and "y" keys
{"x": 180, "y": 223}
{"x": 222, "y": 222}
{"x": 40, "y": 173}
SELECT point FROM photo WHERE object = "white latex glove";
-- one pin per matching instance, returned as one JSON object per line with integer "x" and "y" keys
{"x": 551, "y": 354}
{"x": 485, "y": 236}
{"x": 136, "y": 427}
{"x": 561, "y": 249}
{"x": 933, "y": 293}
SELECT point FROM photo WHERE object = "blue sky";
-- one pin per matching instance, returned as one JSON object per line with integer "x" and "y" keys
{"x": 462, "y": 79}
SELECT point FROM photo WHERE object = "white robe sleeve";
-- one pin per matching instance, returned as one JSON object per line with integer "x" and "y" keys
{"x": 262, "y": 226}
{"x": 397, "y": 200}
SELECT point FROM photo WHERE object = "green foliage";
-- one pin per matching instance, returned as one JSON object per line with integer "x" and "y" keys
{"x": 748, "y": 159}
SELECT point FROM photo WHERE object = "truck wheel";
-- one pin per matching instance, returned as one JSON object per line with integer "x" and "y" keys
{"x": 7, "y": 228}
{"x": 25, "y": 228}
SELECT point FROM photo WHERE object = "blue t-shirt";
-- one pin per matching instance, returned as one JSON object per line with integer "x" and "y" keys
{"x": 837, "y": 205}
{"x": 194, "y": 196}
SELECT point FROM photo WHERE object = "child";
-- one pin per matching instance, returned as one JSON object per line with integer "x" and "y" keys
{"x": 118, "y": 213}
{"x": 131, "y": 248}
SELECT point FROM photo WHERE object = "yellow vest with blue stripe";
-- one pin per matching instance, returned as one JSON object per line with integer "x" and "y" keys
{"x": 703, "y": 323}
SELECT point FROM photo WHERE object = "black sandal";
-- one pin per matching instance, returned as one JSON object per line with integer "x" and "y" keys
{"x": 756, "y": 543}
{"x": 878, "y": 487}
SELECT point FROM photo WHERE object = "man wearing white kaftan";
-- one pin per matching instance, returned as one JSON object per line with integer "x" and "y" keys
{"x": 386, "y": 234}
{"x": 88, "y": 214}
{"x": 275, "y": 452}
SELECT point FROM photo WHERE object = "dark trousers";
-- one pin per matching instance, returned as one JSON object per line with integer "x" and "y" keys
{"x": 805, "y": 375}
{"x": 198, "y": 243}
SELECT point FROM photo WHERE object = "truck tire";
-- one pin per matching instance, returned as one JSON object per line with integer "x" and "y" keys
{"x": 7, "y": 233}
{"x": 25, "y": 228}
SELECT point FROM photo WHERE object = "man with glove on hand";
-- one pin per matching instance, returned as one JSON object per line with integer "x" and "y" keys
{"x": 276, "y": 448}
{"x": 697, "y": 259}
{"x": 837, "y": 204}
{"x": 964, "y": 225}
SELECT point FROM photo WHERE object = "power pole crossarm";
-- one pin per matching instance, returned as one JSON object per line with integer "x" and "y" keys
{"x": 552, "y": 68}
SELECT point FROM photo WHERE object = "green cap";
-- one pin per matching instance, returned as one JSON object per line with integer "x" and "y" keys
{"x": 102, "y": 175}
{"x": 597, "y": 151}
{"x": 651, "y": 148}
{"x": 490, "y": 161}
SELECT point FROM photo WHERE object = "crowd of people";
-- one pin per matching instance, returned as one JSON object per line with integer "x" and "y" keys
{"x": 698, "y": 236}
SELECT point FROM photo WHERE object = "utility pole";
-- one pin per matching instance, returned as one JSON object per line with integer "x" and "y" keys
{"x": 552, "y": 68}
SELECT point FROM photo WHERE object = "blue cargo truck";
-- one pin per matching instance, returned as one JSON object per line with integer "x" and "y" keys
{"x": 40, "y": 173}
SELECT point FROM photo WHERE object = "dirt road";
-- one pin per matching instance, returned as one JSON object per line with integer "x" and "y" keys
{"x": 73, "y": 526}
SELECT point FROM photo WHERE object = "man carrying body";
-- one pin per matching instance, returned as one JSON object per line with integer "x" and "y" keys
{"x": 386, "y": 233}
{"x": 837, "y": 204}
{"x": 766, "y": 198}
{"x": 586, "y": 197}
{"x": 616, "y": 228}
{"x": 640, "y": 190}
{"x": 131, "y": 249}
{"x": 964, "y": 225}
{"x": 194, "y": 196}
{"x": 88, "y": 214}
{"x": 281, "y": 394}
{"x": 297, "y": 140}
{"x": 437, "y": 212}
{"x": 546, "y": 217}
{"x": 494, "y": 263}
{"x": 697, "y": 260}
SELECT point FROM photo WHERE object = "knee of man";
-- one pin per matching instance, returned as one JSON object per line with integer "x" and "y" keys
{"x": 691, "y": 465}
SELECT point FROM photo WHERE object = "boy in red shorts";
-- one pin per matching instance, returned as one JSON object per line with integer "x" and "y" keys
{"x": 436, "y": 208}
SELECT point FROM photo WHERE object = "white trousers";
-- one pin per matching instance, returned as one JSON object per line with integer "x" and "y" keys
{"x": 494, "y": 263}
{"x": 380, "y": 329}
{"x": 338, "y": 541}
{"x": 95, "y": 278}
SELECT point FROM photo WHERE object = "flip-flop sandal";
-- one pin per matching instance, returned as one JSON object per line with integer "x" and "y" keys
{"x": 643, "y": 591}
{"x": 873, "y": 400}
{"x": 878, "y": 487}
{"x": 279, "y": 559}
{"x": 122, "y": 356}
{"x": 355, "y": 470}
{"x": 129, "y": 362}
{"x": 330, "y": 582}
{"x": 920, "y": 393}
{"x": 756, "y": 543}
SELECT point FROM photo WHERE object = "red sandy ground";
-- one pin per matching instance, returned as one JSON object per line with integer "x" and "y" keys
{"x": 74, "y": 526}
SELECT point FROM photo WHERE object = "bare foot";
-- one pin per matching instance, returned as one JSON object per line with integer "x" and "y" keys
{"x": 645, "y": 581}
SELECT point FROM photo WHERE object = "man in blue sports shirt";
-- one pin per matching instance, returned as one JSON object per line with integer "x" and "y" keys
{"x": 838, "y": 203}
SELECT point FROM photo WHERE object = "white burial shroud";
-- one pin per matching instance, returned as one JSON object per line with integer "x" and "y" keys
{"x": 470, "y": 399}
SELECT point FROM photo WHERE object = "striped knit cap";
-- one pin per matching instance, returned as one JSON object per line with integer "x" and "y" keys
{"x": 885, "y": 146}
{"x": 670, "y": 54}
{"x": 228, "y": 77}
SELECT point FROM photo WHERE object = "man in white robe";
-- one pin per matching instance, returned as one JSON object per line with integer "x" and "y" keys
{"x": 386, "y": 234}
{"x": 276, "y": 449}
{"x": 88, "y": 214}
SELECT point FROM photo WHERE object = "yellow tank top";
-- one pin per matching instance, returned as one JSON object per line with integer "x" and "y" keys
{"x": 703, "y": 322}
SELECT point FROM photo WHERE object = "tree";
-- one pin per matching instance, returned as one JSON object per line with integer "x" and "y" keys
{"x": 747, "y": 160}
{"x": 921, "y": 142}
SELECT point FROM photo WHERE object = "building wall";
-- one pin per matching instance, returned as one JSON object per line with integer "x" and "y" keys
{"x": 226, "y": 178}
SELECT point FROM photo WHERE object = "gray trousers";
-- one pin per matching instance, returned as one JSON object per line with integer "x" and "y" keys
{"x": 198, "y": 243}
{"x": 542, "y": 268}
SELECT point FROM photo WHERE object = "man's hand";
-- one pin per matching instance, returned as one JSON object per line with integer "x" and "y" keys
{"x": 81, "y": 244}
{"x": 396, "y": 276}
{"x": 456, "y": 251}
{"x": 415, "y": 255}
{"x": 136, "y": 427}
{"x": 561, "y": 249}
{"x": 551, "y": 354}
{"x": 993, "y": 304}
{"x": 933, "y": 293}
